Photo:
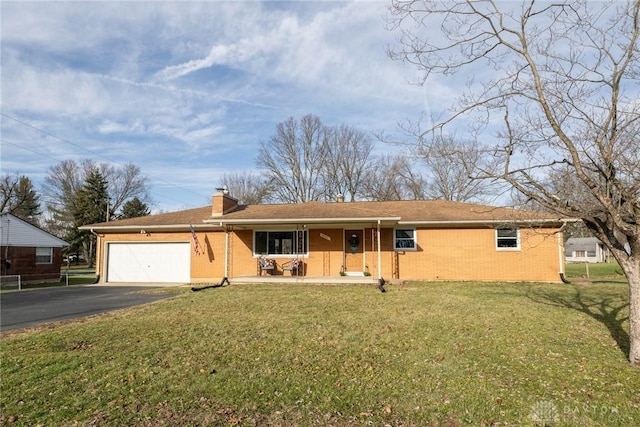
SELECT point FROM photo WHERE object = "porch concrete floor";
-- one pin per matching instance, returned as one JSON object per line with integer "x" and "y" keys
{"x": 318, "y": 280}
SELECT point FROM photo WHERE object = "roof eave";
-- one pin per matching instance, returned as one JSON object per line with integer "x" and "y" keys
{"x": 492, "y": 222}
{"x": 216, "y": 223}
{"x": 142, "y": 227}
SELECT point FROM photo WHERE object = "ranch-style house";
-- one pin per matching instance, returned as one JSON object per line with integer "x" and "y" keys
{"x": 389, "y": 240}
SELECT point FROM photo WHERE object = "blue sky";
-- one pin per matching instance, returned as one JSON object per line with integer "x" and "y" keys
{"x": 188, "y": 90}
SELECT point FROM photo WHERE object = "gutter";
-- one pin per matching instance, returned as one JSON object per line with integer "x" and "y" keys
{"x": 157, "y": 228}
{"x": 217, "y": 223}
{"x": 490, "y": 222}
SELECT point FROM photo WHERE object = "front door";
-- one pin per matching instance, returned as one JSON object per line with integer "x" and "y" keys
{"x": 354, "y": 251}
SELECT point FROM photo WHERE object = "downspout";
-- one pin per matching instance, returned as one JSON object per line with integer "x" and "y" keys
{"x": 561, "y": 255}
{"x": 97, "y": 279}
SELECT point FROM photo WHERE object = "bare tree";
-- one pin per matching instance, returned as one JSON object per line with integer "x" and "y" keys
{"x": 248, "y": 188}
{"x": 60, "y": 187}
{"x": 391, "y": 177}
{"x": 125, "y": 183}
{"x": 564, "y": 84}
{"x": 453, "y": 165}
{"x": 348, "y": 152}
{"x": 293, "y": 159}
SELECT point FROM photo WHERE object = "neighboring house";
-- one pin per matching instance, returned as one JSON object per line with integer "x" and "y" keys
{"x": 406, "y": 240}
{"x": 28, "y": 251}
{"x": 585, "y": 249}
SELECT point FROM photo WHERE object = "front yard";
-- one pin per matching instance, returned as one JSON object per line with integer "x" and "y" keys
{"x": 440, "y": 354}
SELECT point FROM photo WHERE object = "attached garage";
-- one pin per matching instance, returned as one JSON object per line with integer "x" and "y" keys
{"x": 149, "y": 262}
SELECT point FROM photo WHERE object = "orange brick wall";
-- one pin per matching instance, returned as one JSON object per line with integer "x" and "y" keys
{"x": 241, "y": 260}
{"x": 442, "y": 254}
{"x": 470, "y": 254}
{"x": 325, "y": 253}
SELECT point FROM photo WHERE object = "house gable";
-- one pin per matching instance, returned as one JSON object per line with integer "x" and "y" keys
{"x": 17, "y": 232}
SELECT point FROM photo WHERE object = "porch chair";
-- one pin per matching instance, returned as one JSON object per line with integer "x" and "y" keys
{"x": 266, "y": 264}
{"x": 293, "y": 265}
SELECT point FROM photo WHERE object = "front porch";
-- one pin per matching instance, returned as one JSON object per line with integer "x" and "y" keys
{"x": 310, "y": 280}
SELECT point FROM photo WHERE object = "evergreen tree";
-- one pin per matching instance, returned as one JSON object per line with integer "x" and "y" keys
{"x": 91, "y": 205}
{"x": 134, "y": 208}
{"x": 19, "y": 198}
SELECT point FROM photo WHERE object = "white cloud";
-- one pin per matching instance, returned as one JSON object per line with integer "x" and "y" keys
{"x": 195, "y": 82}
{"x": 110, "y": 127}
{"x": 217, "y": 55}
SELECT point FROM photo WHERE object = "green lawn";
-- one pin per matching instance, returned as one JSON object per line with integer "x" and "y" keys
{"x": 439, "y": 354}
{"x": 605, "y": 272}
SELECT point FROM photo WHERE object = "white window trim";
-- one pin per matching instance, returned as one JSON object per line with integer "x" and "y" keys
{"x": 305, "y": 254}
{"x": 415, "y": 240}
{"x": 502, "y": 249}
{"x": 50, "y": 255}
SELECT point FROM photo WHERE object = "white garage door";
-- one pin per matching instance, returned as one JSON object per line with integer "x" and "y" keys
{"x": 148, "y": 262}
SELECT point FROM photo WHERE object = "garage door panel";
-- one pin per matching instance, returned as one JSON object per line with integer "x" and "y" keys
{"x": 148, "y": 262}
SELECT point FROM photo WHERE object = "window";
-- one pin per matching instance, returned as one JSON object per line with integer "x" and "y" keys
{"x": 404, "y": 239}
{"x": 507, "y": 239}
{"x": 280, "y": 243}
{"x": 581, "y": 254}
{"x": 44, "y": 255}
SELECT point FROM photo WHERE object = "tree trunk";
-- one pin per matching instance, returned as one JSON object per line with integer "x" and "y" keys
{"x": 631, "y": 268}
{"x": 88, "y": 251}
{"x": 626, "y": 252}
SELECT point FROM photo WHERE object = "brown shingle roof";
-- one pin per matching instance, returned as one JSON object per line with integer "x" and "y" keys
{"x": 410, "y": 211}
{"x": 405, "y": 211}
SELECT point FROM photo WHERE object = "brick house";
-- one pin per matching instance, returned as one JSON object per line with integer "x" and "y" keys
{"x": 28, "y": 251}
{"x": 402, "y": 240}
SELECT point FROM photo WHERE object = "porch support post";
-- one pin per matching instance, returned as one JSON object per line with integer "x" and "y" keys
{"x": 379, "y": 253}
{"x": 226, "y": 252}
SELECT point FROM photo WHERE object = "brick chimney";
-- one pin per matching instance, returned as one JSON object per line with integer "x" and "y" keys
{"x": 222, "y": 203}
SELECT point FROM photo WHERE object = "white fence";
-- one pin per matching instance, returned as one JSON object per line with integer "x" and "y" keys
{"x": 19, "y": 282}
{"x": 11, "y": 282}
{"x": 23, "y": 281}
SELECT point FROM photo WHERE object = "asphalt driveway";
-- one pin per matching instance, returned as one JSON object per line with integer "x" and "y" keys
{"x": 34, "y": 307}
